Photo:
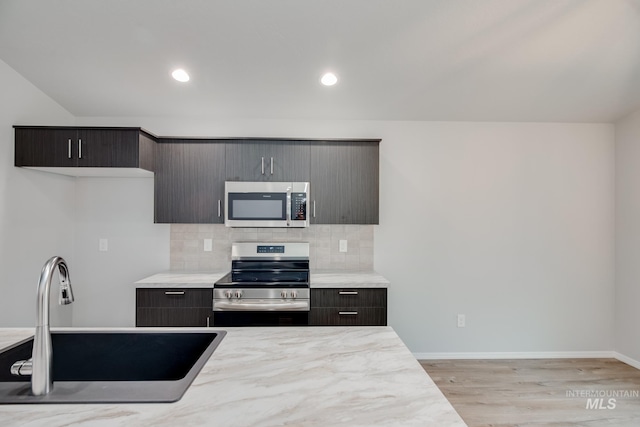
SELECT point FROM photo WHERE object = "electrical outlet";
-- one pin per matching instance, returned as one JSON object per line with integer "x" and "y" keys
{"x": 208, "y": 245}
{"x": 462, "y": 321}
{"x": 103, "y": 245}
{"x": 343, "y": 246}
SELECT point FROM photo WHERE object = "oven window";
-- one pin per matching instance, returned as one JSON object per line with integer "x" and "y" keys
{"x": 259, "y": 206}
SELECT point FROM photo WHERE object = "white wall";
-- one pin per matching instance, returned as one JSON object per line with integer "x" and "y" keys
{"x": 511, "y": 224}
{"x": 627, "y": 317}
{"x": 120, "y": 210}
{"x": 36, "y": 209}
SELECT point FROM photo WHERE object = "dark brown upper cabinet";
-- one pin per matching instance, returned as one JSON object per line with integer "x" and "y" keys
{"x": 267, "y": 160}
{"x": 344, "y": 182}
{"x": 82, "y": 147}
{"x": 189, "y": 181}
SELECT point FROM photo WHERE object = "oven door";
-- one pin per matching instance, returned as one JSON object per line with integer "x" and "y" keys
{"x": 261, "y": 307}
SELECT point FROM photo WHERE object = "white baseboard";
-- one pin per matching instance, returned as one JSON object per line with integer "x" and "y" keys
{"x": 526, "y": 355}
{"x": 627, "y": 360}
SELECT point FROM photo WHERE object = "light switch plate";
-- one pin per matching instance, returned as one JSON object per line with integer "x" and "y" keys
{"x": 462, "y": 321}
{"x": 343, "y": 246}
{"x": 208, "y": 245}
{"x": 103, "y": 245}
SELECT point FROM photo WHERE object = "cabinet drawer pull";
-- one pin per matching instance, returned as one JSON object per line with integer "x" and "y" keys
{"x": 348, "y": 313}
{"x": 79, "y": 148}
{"x": 174, "y": 293}
{"x": 314, "y": 208}
{"x": 348, "y": 293}
{"x": 272, "y": 166}
{"x": 219, "y": 208}
{"x": 70, "y": 148}
{"x": 262, "y": 165}
{"x": 208, "y": 321}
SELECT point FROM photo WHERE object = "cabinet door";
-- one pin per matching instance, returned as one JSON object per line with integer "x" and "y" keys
{"x": 344, "y": 183}
{"x": 349, "y": 297}
{"x": 173, "y": 317}
{"x": 107, "y": 148}
{"x": 348, "y": 316}
{"x": 189, "y": 181}
{"x": 45, "y": 147}
{"x": 174, "y": 307}
{"x": 174, "y": 298}
{"x": 267, "y": 160}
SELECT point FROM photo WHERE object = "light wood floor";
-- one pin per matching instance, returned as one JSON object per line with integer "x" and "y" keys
{"x": 541, "y": 392}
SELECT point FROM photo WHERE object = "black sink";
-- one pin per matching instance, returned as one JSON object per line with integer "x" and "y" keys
{"x": 113, "y": 366}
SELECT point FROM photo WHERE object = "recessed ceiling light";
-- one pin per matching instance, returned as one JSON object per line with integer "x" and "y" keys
{"x": 329, "y": 79}
{"x": 180, "y": 75}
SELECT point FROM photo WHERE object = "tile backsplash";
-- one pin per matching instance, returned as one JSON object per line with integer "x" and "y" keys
{"x": 187, "y": 245}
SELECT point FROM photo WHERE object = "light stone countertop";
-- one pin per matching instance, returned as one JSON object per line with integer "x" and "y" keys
{"x": 319, "y": 279}
{"x": 347, "y": 279}
{"x": 293, "y": 376}
{"x": 181, "y": 279}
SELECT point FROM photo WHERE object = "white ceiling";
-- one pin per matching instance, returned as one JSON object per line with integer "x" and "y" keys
{"x": 472, "y": 60}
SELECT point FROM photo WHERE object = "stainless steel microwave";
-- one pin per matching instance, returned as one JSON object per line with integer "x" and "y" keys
{"x": 266, "y": 204}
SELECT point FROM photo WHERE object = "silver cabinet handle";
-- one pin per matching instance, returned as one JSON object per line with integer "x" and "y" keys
{"x": 348, "y": 293}
{"x": 70, "y": 148}
{"x": 314, "y": 208}
{"x": 219, "y": 208}
{"x": 174, "y": 293}
{"x": 208, "y": 321}
{"x": 79, "y": 148}
{"x": 262, "y": 165}
{"x": 272, "y": 166}
{"x": 348, "y": 313}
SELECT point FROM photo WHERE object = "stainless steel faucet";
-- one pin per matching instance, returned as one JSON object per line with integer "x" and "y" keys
{"x": 40, "y": 366}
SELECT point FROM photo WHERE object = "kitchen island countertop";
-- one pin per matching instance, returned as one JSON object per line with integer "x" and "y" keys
{"x": 307, "y": 376}
{"x": 319, "y": 279}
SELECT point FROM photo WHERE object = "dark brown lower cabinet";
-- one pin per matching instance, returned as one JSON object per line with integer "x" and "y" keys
{"x": 348, "y": 307}
{"x": 174, "y": 307}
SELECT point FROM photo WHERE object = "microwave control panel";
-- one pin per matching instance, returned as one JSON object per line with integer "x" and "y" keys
{"x": 299, "y": 206}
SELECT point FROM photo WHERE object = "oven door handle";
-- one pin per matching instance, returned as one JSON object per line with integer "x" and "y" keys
{"x": 260, "y": 306}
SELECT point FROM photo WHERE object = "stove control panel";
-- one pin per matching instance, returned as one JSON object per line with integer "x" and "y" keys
{"x": 264, "y": 249}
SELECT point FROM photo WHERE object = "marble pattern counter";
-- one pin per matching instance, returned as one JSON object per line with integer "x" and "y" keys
{"x": 347, "y": 279}
{"x": 312, "y": 377}
{"x": 319, "y": 279}
{"x": 181, "y": 279}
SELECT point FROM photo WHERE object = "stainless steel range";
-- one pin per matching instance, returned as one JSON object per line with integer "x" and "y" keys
{"x": 268, "y": 286}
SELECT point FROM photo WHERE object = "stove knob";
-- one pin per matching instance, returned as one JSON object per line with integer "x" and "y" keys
{"x": 228, "y": 294}
{"x": 294, "y": 294}
{"x": 238, "y": 294}
{"x": 283, "y": 294}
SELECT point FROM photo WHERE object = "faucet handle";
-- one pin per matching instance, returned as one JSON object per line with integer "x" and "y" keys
{"x": 66, "y": 292}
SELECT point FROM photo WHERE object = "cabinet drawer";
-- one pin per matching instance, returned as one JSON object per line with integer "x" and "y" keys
{"x": 174, "y": 298}
{"x": 348, "y": 316}
{"x": 174, "y": 317}
{"x": 349, "y": 297}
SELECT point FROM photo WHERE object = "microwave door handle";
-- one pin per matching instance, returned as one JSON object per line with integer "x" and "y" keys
{"x": 288, "y": 207}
